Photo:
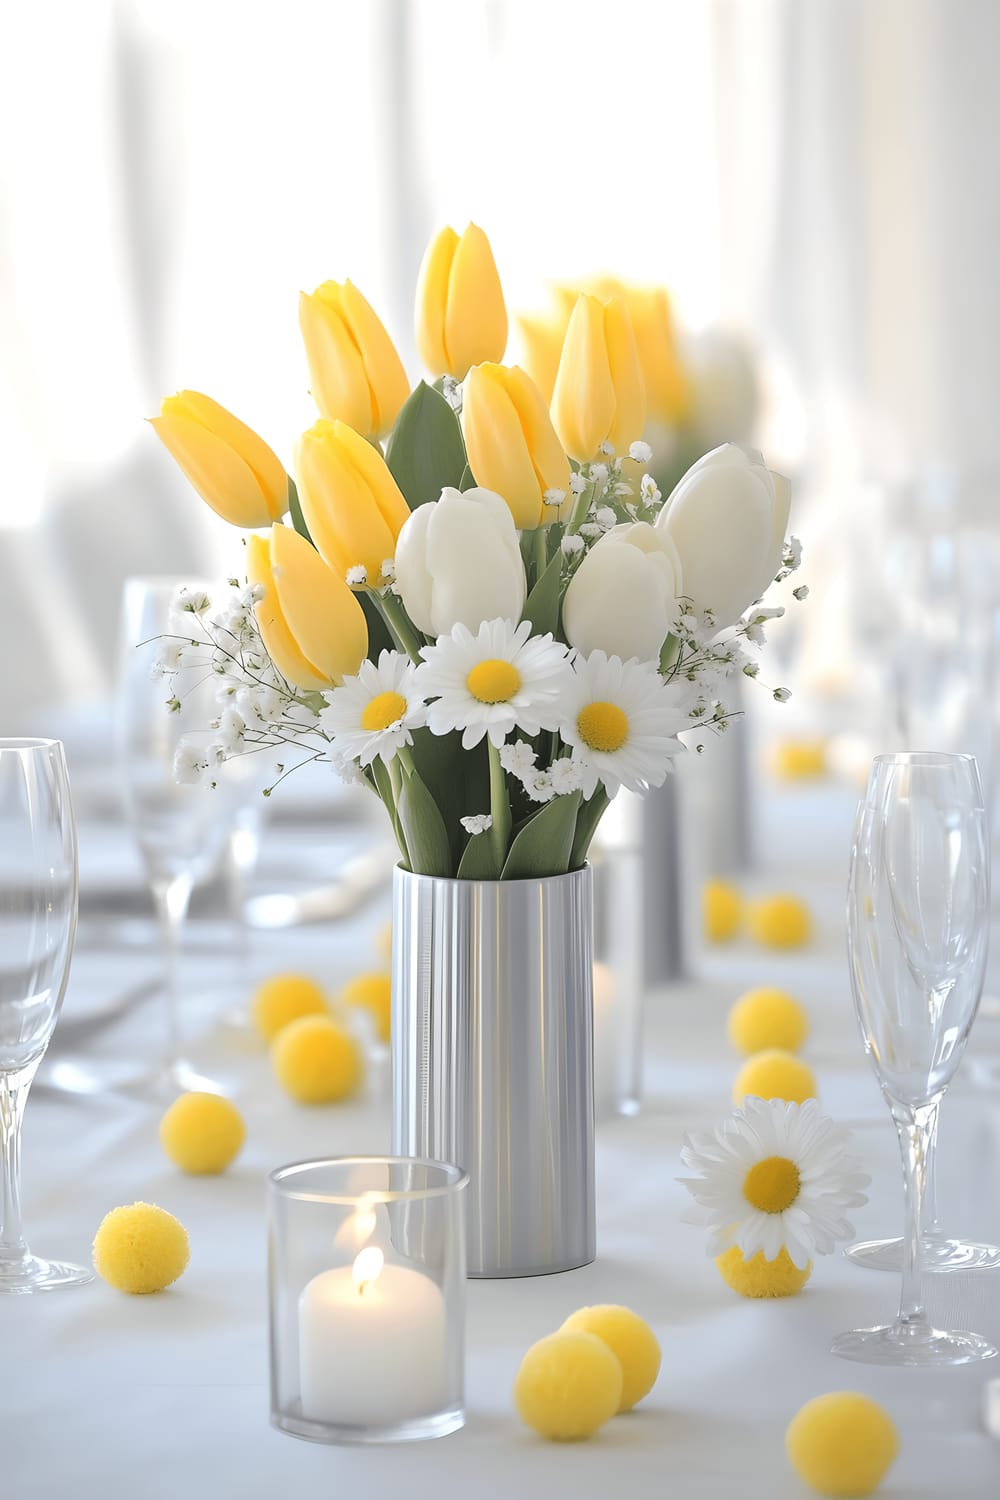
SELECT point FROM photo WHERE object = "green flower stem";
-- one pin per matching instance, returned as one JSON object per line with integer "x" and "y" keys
{"x": 403, "y": 633}
{"x": 499, "y": 806}
{"x": 580, "y": 509}
{"x": 541, "y": 548}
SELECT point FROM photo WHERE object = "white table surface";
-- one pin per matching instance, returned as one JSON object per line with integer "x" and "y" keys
{"x": 103, "y": 1395}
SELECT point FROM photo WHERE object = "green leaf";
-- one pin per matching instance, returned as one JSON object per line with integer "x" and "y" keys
{"x": 479, "y": 861}
{"x": 425, "y": 451}
{"x": 383, "y": 785}
{"x": 542, "y": 604}
{"x": 591, "y": 813}
{"x": 457, "y": 779}
{"x": 545, "y": 843}
{"x": 423, "y": 828}
{"x": 295, "y": 511}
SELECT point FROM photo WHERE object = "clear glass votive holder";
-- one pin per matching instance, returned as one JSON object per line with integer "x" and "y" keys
{"x": 366, "y": 1278}
{"x": 618, "y": 973}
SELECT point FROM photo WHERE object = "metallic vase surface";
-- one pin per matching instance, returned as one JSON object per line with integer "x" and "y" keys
{"x": 492, "y": 1058}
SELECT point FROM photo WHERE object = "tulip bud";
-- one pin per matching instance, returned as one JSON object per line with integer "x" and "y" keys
{"x": 355, "y": 374}
{"x": 313, "y": 627}
{"x": 458, "y": 562}
{"x": 541, "y": 342}
{"x": 233, "y": 470}
{"x": 351, "y": 503}
{"x": 511, "y": 443}
{"x": 727, "y": 518}
{"x": 668, "y": 387}
{"x": 599, "y": 394}
{"x": 461, "y": 314}
{"x": 622, "y": 599}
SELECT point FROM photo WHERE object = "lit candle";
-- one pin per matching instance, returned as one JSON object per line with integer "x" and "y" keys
{"x": 371, "y": 1344}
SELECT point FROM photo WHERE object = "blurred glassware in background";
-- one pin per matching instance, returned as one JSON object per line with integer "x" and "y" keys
{"x": 38, "y": 910}
{"x": 182, "y": 831}
{"x": 619, "y": 981}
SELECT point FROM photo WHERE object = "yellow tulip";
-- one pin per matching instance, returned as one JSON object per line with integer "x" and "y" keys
{"x": 352, "y": 505}
{"x": 512, "y": 445}
{"x": 668, "y": 387}
{"x": 355, "y": 373}
{"x": 312, "y": 625}
{"x": 599, "y": 394}
{"x": 541, "y": 344}
{"x": 233, "y": 470}
{"x": 461, "y": 314}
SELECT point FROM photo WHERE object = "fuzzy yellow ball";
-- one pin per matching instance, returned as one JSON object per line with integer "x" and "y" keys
{"x": 774, "y": 1074}
{"x": 202, "y": 1133}
{"x": 780, "y": 922}
{"x": 569, "y": 1384}
{"x": 283, "y": 999}
{"x": 140, "y": 1248}
{"x": 317, "y": 1061}
{"x": 630, "y": 1339}
{"x": 722, "y": 910}
{"x": 842, "y": 1444}
{"x": 758, "y": 1277}
{"x": 799, "y": 760}
{"x": 767, "y": 1018}
{"x": 372, "y": 992}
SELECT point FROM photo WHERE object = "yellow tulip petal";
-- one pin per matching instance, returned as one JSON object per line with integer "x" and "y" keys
{"x": 626, "y": 377}
{"x": 386, "y": 376}
{"x": 350, "y": 501}
{"x": 583, "y": 401}
{"x": 324, "y": 618}
{"x": 337, "y": 377}
{"x": 260, "y": 459}
{"x": 550, "y": 462}
{"x": 372, "y": 467}
{"x": 668, "y": 389}
{"x": 221, "y": 477}
{"x": 475, "y": 322}
{"x": 432, "y": 300}
{"x": 274, "y": 632}
{"x": 495, "y": 443}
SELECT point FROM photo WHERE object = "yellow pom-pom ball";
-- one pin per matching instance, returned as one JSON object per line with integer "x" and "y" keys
{"x": 841, "y": 1444}
{"x": 774, "y": 1074}
{"x": 630, "y": 1339}
{"x": 201, "y": 1133}
{"x": 758, "y": 1277}
{"x": 722, "y": 910}
{"x": 767, "y": 1018}
{"x": 383, "y": 943}
{"x": 317, "y": 1061}
{"x": 799, "y": 760}
{"x": 140, "y": 1248}
{"x": 283, "y": 999}
{"x": 372, "y": 992}
{"x": 569, "y": 1384}
{"x": 780, "y": 922}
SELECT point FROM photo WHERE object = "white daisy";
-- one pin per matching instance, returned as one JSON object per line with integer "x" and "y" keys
{"x": 375, "y": 713}
{"x": 500, "y": 679}
{"x": 622, "y": 721}
{"x": 775, "y": 1176}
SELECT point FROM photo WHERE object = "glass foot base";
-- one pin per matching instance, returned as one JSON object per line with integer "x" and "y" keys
{"x": 937, "y": 1254}
{"x": 157, "y": 1085}
{"x": 32, "y": 1274}
{"x": 414, "y": 1430}
{"x": 911, "y": 1344}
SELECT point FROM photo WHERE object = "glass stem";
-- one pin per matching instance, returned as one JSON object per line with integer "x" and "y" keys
{"x": 914, "y": 1126}
{"x": 13, "y": 1095}
{"x": 241, "y": 860}
{"x": 932, "y": 1224}
{"x": 172, "y": 898}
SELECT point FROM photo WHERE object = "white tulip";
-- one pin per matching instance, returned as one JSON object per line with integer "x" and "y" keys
{"x": 724, "y": 392}
{"x": 623, "y": 597}
{"x": 727, "y": 518}
{"x": 458, "y": 562}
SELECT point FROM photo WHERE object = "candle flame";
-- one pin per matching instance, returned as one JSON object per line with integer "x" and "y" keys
{"x": 367, "y": 1266}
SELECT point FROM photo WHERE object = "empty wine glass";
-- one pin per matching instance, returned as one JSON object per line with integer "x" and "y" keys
{"x": 917, "y": 935}
{"x": 38, "y": 906}
{"x": 181, "y": 830}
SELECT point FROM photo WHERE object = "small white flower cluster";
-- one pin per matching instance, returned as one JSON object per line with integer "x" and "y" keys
{"x": 562, "y": 777}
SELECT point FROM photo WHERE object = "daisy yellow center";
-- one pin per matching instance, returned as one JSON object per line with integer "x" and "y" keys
{"x": 772, "y": 1185}
{"x": 493, "y": 681}
{"x": 386, "y": 709}
{"x": 602, "y": 726}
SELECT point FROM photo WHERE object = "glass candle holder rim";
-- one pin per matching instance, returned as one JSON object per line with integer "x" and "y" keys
{"x": 455, "y": 1179}
{"x": 29, "y": 742}
{"x": 927, "y": 758}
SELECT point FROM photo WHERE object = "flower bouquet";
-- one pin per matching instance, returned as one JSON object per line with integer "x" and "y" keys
{"x": 493, "y": 622}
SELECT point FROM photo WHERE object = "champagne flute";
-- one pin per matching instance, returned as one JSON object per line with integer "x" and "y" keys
{"x": 917, "y": 934}
{"x": 181, "y": 830}
{"x": 38, "y": 907}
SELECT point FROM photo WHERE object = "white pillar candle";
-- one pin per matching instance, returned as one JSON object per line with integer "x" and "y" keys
{"x": 372, "y": 1347}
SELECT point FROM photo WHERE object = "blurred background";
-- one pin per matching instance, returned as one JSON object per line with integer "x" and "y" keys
{"x": 815, "y": 184}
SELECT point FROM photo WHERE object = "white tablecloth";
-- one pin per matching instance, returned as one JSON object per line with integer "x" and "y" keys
{"x": 108, "y": 1396}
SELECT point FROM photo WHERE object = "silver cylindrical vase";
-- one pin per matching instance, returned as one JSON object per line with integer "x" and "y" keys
{"x": 492, "y": 1058}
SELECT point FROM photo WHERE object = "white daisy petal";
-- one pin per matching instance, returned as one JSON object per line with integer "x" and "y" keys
{"x": 494, "y": 682}
{"x": 373, "y": 714}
